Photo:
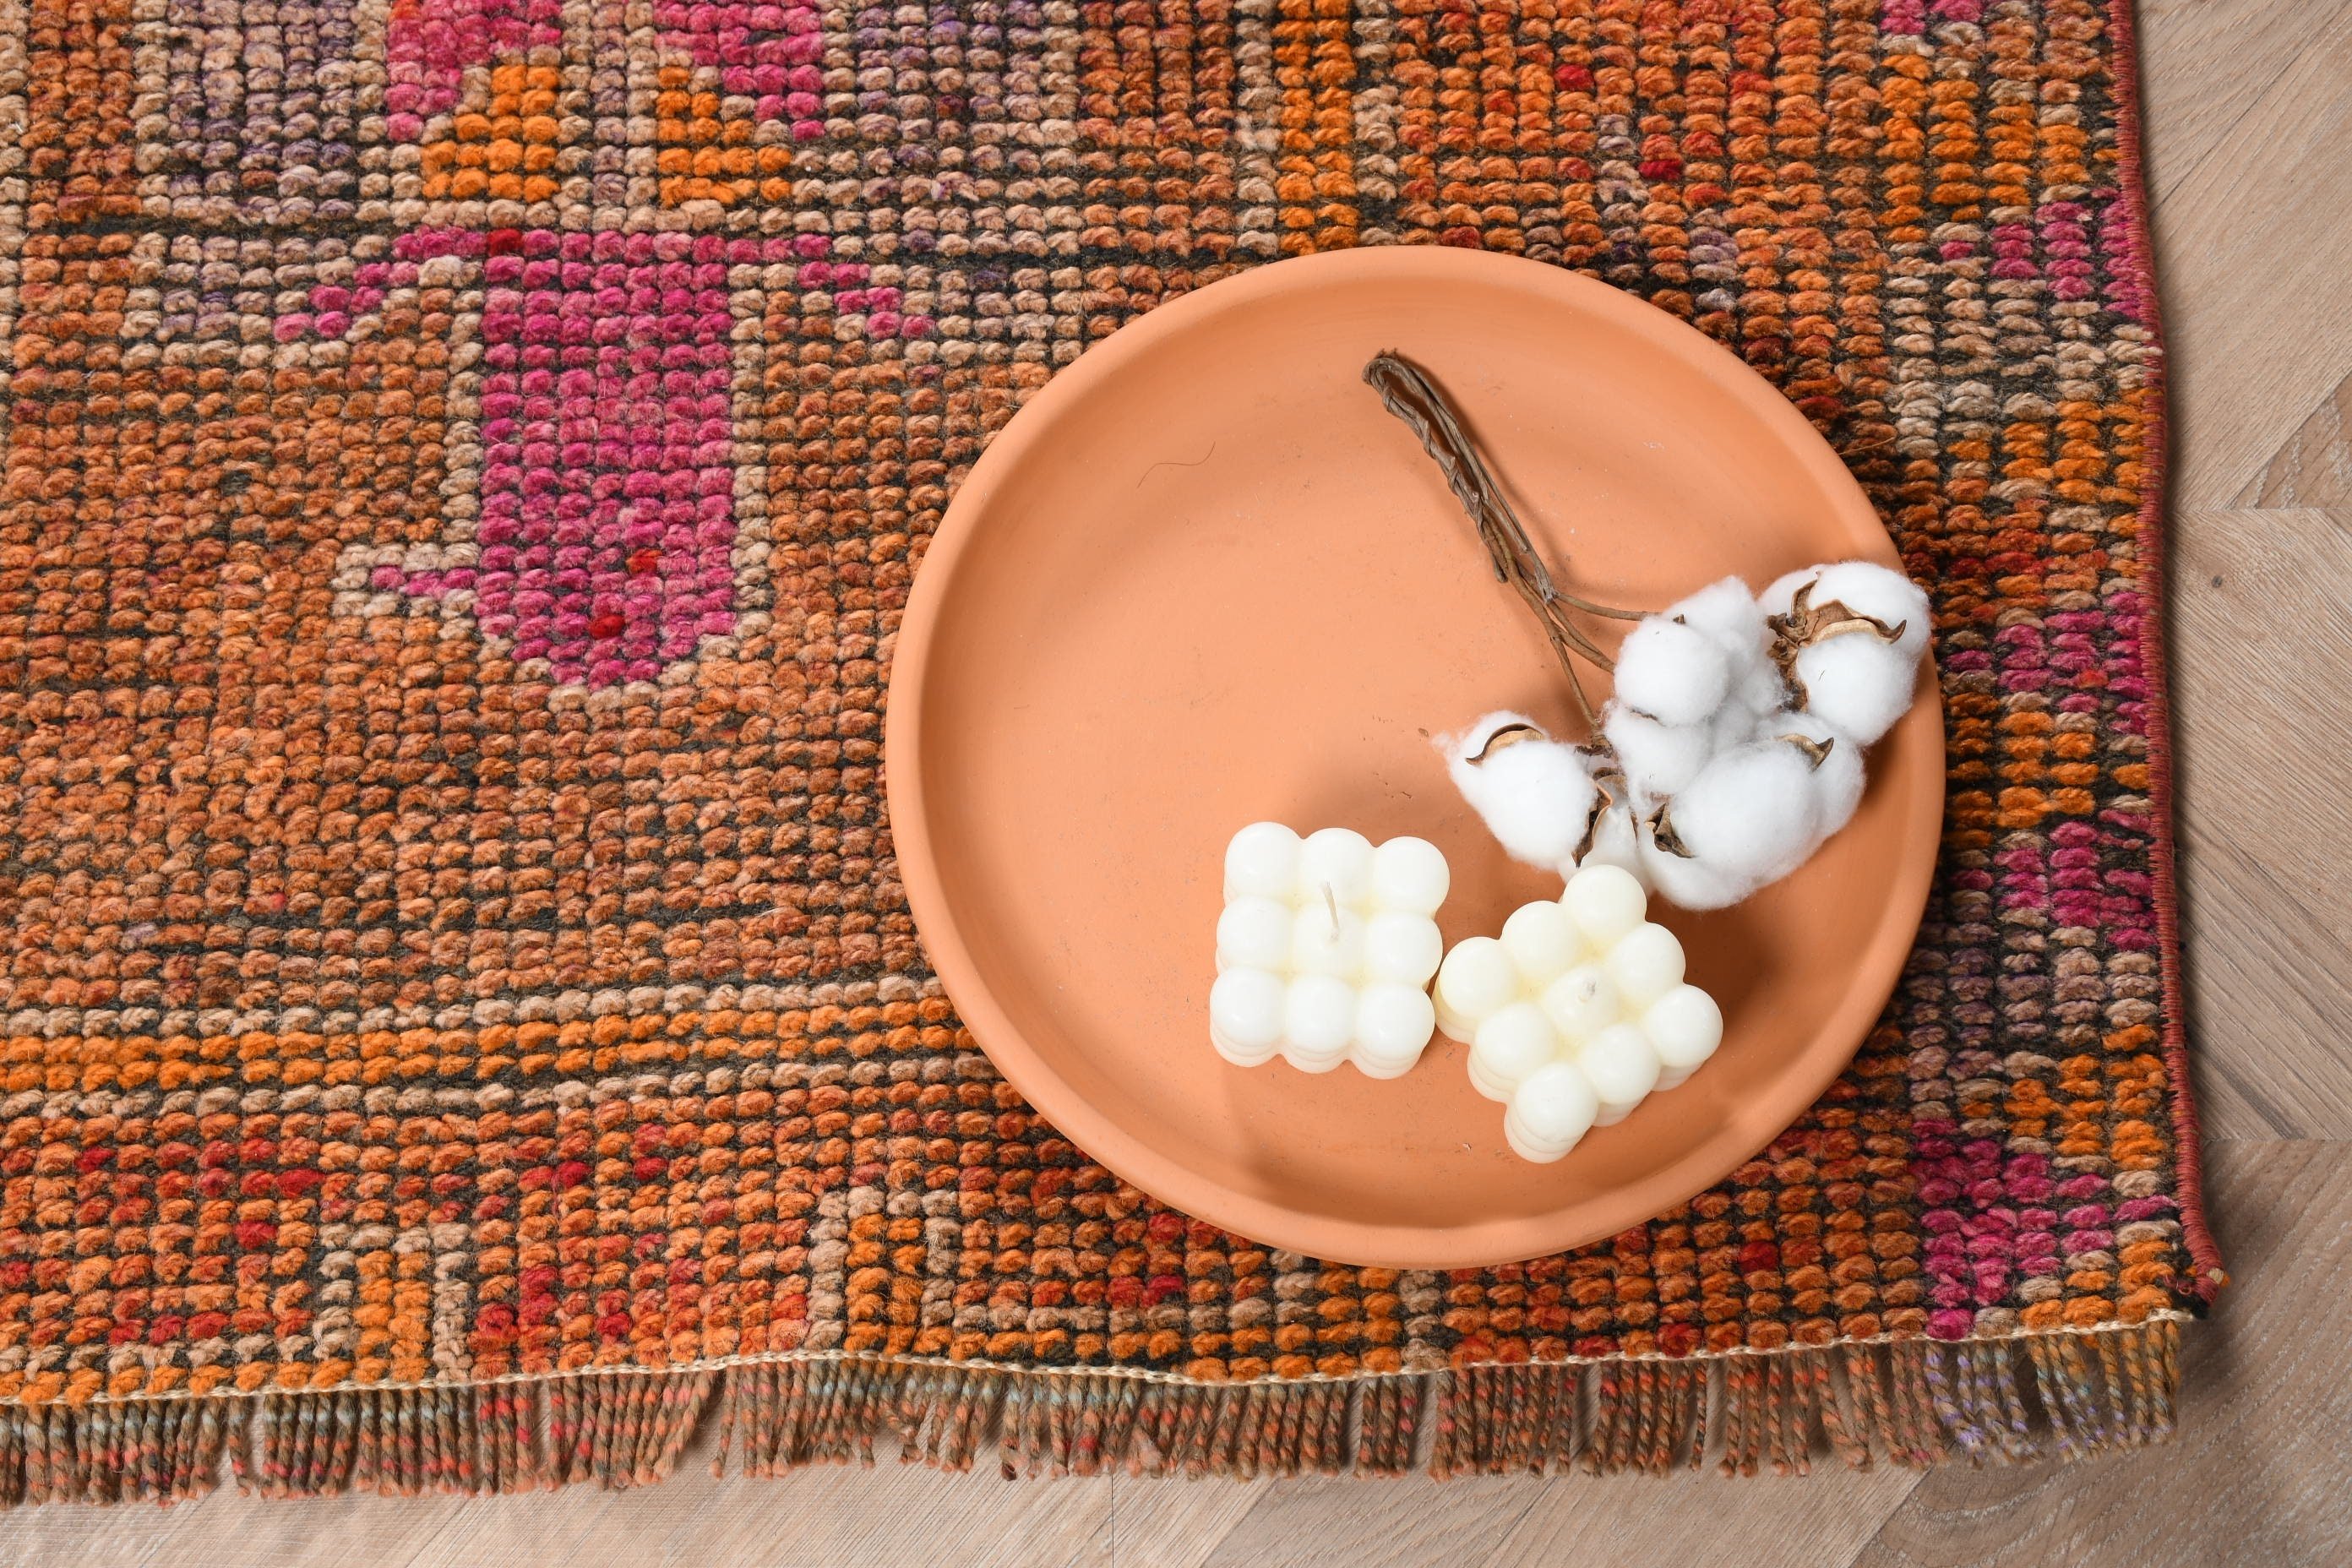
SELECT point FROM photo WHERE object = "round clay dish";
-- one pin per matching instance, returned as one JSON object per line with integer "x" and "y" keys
{"x": 1205, "y": 578}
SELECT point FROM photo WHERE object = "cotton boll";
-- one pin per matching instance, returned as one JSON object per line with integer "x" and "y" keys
{"x": 1676, "y": 674}
{"x": 1727, "y": 612}
{"x": 1737, "y": 724}
{"x": 1856, "y": 684}
{"x": 1837, "y": 768}
{"x": 1262, "y": 862}
{"x": 1245, "y": 1014}
{"x": 1658, "y": 759}
{"x": 1475, "y": 743}
{"x": 1779, "y": 596}
{"x": 1615, "y": 842}
{"x": 1730, "y": 617}
{"x": 1750, "y": 814}
{"x": 1534, "y": 796}
{"x": 1692, "y": 884}
{"x": 1886, "y": 596}
{"x": 1759, "y": 688}
{"x": 1338, "y": 859}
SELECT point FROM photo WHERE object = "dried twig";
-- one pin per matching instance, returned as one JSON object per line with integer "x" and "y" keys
{"x": 1412, "y": 397}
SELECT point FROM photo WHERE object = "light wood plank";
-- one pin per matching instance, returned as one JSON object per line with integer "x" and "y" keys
{"x": 2263, "y": 637}
{"x": 1371, "y": 1523}
{"x": 2256, "y": 1475}
{"x": 893, "y": 1514}
{"x": 1701, "y": 1520}
{"x": 2254, "y": 256}
{"x": 2315, "y": 467}
{"x": 1177, "y": 1523}
{"x": 2240, "y": 48}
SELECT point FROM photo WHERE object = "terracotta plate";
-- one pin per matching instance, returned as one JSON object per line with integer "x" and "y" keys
{"x": 1205, "y": 578}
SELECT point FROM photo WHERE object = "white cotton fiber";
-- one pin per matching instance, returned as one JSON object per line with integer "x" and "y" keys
{"x": 1658, "y": 759}
{"x": 1856, "y": 684}
{"x": 1726, "y": 611}
{"x": 1886, "y": 596}
{"x": 1757, "y": 687}
{"x": 1692, "y": 884}
{"x": 1730, "y": 617}
{"x": 1736, "y": 725}
{"x": 1749, "y": 815}
{"x": 1676, "y": 674}
{"x": 1703, "y": 732}
{"x": 1837, "y": 775}
{"x": 1535, "y": 794}
{"x": 1780, "y": 596}
{"x": 1479, "y": 738}
{"x": 1615, "y": 842}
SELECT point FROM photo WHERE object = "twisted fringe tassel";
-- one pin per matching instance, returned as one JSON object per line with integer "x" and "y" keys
{"x": 1909, "y": 1403}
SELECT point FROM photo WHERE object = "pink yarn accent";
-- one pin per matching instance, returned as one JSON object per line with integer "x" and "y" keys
{"x": 2123, "y": 267}
{"x": 2066, "y": 240}
{"x": 428, "y": 44}
{"x": 606, "y": 540}
{"x": 607, "y": 525}
{"x": 767, "y": 53}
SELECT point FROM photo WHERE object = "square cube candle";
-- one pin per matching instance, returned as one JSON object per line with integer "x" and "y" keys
{"x": 1326, "y": 949}
{"x": 1576, "y": 1013}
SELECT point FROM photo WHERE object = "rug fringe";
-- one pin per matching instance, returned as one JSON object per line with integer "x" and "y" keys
{"x": 147, "y": 1450}
{"x": 1909, "y": 1403}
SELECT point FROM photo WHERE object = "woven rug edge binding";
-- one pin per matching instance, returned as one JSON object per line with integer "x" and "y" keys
{"x": 2132, "y": 173}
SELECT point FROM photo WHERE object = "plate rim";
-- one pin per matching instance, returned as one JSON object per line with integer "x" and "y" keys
{"x": 906, "y": 785}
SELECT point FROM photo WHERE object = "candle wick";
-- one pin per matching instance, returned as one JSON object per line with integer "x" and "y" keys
{"x": 1331, "y": 903}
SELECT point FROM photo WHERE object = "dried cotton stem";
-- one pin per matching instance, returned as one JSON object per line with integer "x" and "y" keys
{"x": 1412, "y": 397}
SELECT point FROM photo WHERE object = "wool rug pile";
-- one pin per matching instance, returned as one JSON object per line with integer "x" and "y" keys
{"x": 465, "y": 464}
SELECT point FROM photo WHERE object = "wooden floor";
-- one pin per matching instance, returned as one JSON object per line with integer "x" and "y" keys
{"x": 2251, "y": 157}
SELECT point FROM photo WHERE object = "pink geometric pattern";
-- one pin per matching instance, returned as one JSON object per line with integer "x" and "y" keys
{"x": 607, "y": 520}
{"x": 767, "y": 53}
{"x": 428, "y": 44}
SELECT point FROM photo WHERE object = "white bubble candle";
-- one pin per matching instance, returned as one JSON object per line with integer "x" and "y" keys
{"x": 1576, "y": 1013}
{"x": 1326, "y": 949}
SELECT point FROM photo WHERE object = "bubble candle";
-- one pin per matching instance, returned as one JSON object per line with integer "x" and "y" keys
{"x": 1326, "y": 949}
{"x": 1576, "y": 1013}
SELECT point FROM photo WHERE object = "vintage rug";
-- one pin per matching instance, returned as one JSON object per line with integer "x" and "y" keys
{"x": 465, "y": 464}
